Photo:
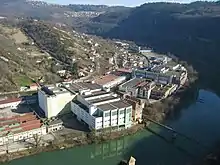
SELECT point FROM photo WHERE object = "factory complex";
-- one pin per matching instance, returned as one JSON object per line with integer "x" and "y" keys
{"x": 113, "y": 101}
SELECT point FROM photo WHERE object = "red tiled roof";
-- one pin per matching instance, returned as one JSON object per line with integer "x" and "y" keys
{"x": 10, "y": 100}
{"x": 33, "y": 126}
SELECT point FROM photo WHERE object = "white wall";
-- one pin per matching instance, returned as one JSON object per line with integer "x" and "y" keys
{"x": 42, "y": 99}
{"x": 53, "y": 105}
{"x": 101, "y": 122}
{"x": 54, "y": 127}
{"x": 98, "y": 122}
{"x": 82, "y": 114}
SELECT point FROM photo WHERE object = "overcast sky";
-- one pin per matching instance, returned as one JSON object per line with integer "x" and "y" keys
{"x": 114, "y": 2}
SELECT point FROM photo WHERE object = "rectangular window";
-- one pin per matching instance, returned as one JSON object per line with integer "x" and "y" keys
{"x": 107, "y": 114}
{"x": 130, "y": 117}
{"x": 122, "y": 112}
{"x": 129, "y": 110}
{"x": 114, "y": 113}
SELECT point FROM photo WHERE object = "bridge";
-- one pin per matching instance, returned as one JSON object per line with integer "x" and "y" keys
{"x": 175, "y": 132}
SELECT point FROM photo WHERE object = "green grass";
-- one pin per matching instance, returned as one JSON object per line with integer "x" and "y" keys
{"x": 22, "y": 80}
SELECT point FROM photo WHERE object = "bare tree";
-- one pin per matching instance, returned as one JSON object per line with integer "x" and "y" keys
{"x": 37, "y": 140}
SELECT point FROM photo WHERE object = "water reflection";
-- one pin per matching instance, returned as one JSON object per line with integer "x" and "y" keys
{"x": 110, "y": 149}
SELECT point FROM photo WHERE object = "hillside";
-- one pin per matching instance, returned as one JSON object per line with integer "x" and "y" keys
{"x": 36, "y": 49}
{"x": 21, "y": 60}
{"x": 72, "y": 14}
{"x": 190, "y": 32}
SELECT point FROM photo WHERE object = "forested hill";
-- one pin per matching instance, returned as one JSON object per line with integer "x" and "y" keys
{"x": 190, "y": 31}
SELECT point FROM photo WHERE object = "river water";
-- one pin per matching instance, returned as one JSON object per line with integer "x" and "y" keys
{"x": 199, "y": 120}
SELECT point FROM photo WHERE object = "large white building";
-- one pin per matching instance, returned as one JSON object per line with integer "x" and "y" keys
{"x": 54, "y": 100}
{"x": 102, "y": 109}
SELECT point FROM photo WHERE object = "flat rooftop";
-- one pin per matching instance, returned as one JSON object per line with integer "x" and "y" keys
{"x": 120, "y": 104}
{"x": 114, "y": 105}
{"x": 106, "y": 107}
{"x": 98, "y": 93}
{"x": 97, "y": 100}
{"x": 133, "y": 82}
{"x": 106, "y": 79}
{"x": 53, "y": 90}
{"x": 76, "y": 87}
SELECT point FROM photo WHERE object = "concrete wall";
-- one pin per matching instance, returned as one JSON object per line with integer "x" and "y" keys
{"x": 42, "y": 100}
{"x": 82, "y": 115}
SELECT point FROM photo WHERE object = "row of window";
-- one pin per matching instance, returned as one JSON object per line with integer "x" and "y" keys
{"x": 114, "y": 113}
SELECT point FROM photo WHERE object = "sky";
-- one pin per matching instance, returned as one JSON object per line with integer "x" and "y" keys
{"x": 131, "y": 3}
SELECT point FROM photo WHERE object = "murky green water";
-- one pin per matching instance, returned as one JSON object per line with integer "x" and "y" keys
{"x": 199, "y": 120}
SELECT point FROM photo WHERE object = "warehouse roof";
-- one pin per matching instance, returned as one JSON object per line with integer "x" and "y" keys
{"x": 106, "y": 79}
{"x": 133, "y": 82}
{"x": 102, "y": 99}
{"x": 76, "y": 87}
{"x": 106, "y": 107}
{"x": 10, "y": 100}
{"x": 120, "y": 104}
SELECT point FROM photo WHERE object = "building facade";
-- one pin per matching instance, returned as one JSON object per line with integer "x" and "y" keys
{"x": 103, "y": 110}
{"x": 138, "y": 87}
{"x": 137, "y": 107}
{"x": 21, "y": 127}
{"x": 54, "y": 100}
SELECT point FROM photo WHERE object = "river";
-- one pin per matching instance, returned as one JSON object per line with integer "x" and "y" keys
{"x": 199, "y": 120}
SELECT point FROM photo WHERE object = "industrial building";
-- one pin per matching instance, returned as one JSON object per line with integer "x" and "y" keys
{"x": 20, "y": 127}
{"x": 110, "y": 80}
{"x": 54, "y": 100}
{"x": 162, "y": 91}
{"x": 138, "y": 87}
{"x": 155, "y": 76}
{"x": 83, "y": 87}
{"x": 137, "y": 107}
{"x": 102, "y": 109}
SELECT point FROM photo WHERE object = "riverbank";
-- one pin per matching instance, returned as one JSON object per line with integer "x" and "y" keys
{"x": 71, "y": 142}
